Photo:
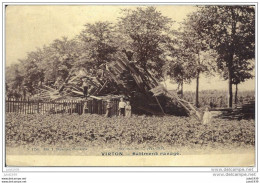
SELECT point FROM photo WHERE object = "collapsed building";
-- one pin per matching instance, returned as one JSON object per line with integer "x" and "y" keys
{"x": 123, "y": 78}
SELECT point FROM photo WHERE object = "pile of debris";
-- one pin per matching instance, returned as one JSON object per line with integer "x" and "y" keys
{"x": 244, "y": 111}
{"x": 121, "y": 78}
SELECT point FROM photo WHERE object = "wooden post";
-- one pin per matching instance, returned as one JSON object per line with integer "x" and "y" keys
{"x": 100, "y": 106}
{"x": 92, "y": 101}
{"x": 19, "y": 105}
{"x": 90, "y": 106}
{"x": 6, "y": 106}
{"x": 14, "y": 109}
{"x": 47, "y": 106}
{"x": 42, "y": 107}
{"x": 116, "y": 107}
{"x": 95, "y": 106}
{"x": 71, "y": 106}
{"x": 38, "y": 107}
{"x": 29, "y": 106}
{"x": 10, "y": 106}
{"x": 62, "y": 106}
{"x": 159, "y": 105}
{"x": 103, "y": 107}
{"x": 22, "y": 106}
{"x": 16, "y": 104}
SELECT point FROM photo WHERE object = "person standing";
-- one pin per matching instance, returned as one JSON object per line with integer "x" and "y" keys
{"x": 85, "y": 88}
{"x": 108, "y": 109}
{"x": 121, "y": 107}
{"x": 85, "y": 107}
{"x": 206, "y": 116}
{"x": 128, "y": 110}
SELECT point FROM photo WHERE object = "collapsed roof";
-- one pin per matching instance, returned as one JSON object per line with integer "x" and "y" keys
{"x": 120, "y": 78}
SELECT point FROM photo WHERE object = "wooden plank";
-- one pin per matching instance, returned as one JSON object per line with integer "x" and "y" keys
{"x": 77, "y": 92}
{"x": 95, "y": 97}
{"x": 102, "y": 87}
{"x": 122, "y": 65}
{"x": 49, "y": 88}
{"x": 159, "y": 105}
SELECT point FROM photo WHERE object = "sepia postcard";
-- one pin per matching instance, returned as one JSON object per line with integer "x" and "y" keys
{"x": 130, "y": 85}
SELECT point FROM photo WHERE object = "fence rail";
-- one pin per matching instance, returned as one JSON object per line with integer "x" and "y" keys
{"x": 53, "y": 107}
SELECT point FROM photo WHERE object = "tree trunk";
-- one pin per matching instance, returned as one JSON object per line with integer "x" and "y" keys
{"x": 182, "y": 89}
{"x": 230, "y": 95}
{"x": 197, "y": 89}
{"x": 236, "y": 94}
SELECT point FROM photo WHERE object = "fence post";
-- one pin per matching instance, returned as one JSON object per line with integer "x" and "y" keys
{"x": 13, "y": 105}
{"x": 71, "y": 106}
{"x": 7, "y": 103}
{"x": 38, "y": 106}
{"x": 29, "y": 106}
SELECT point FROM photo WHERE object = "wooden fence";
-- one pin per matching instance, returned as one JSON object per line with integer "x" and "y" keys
{"x": 54, "y": 107}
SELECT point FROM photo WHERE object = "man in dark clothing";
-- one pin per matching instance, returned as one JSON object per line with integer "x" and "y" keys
{"x": 85, "y": 88}
{"x": 109, "y": 109}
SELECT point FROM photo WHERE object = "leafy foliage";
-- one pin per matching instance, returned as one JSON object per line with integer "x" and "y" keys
{"x": 97, "y": 44}
{"x": 214, "y": 38}
{"x": 230, "y": 30}
{"x": 146, "y": 30}
{"x": 89, "y": 130}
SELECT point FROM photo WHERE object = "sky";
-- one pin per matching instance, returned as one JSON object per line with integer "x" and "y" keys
{"x": 29, "y": 27}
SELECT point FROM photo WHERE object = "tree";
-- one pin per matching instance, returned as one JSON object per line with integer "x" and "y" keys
{"x": 33, "y": 75}
{"x": 97, "y": 44}
{"x": 14, "y": 80}
{"x": 196, "y": 47}
{"x": 242, "y": 71}
{"x": 178, "y": 64}
{"x": 145, "y": 31}
{"x": 58, "y": 59}
{"x": 230, "y": 30}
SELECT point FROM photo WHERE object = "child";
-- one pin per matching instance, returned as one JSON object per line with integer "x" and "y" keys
{"x": 128, "y": 108}
{"x": 206, "y": 116}
{"x": 109, "y": 109}
{"x": 85, "y": 107}
{"x": 121, "y": 107}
